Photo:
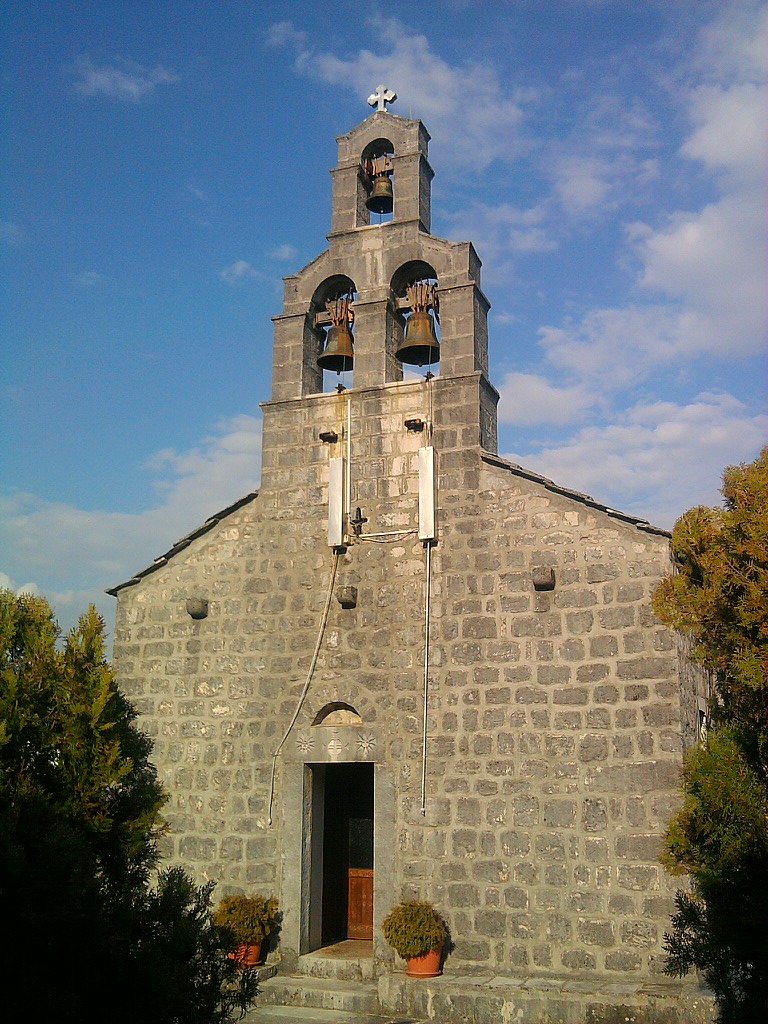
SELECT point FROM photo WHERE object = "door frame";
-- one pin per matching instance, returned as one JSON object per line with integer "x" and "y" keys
{"x": 294, "y": 852}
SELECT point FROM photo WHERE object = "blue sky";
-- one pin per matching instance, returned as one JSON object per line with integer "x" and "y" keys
{"x": 166, "y": 163}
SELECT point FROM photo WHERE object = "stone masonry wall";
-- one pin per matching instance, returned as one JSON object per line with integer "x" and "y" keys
{"x": 554, "y": 714}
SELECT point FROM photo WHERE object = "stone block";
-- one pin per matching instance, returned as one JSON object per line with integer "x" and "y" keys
{"x": 491, "y": 923}
{"x": 515, "y": 843}
{"x": 593, "y": 748}
{"x": 639, "y": 847}
{"x": 596, "y": 931}
{"x": 559, "y": 813}
{"x": 578, "y": 959}
{"x": 639, "y": 933}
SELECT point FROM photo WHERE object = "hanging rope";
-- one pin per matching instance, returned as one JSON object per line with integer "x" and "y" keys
{"x": 310, "y": 673}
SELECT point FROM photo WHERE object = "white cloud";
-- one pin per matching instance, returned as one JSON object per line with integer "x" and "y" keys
{"x": 499, "y": 232}
{"x": 704, "y": 270}
{"x": 475, "y": 117}
{"x": 284, "y": 252}
{"x": 612, "y": 348}
{"x": 735, "y": 45}
{"x": 238, "y": 271}
{"x": 716, "y": 262}
{"x": 54, "y": 541}
{"x": 282, "y": 33}
{"x": 606, "y": 158}
{"x": 121, "y": 80}
{"x": 581, "y": 182}
{"x": 526, "y": 398}
{"x": 729, "y": 129}
{"x": 90, "y": 279}
{"x": 661, "y": 458}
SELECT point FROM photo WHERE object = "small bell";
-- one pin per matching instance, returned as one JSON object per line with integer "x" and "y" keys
{"x": 381, "y": 199}
{"x": 420, "y": 345}
{"x": 338, "y": 354}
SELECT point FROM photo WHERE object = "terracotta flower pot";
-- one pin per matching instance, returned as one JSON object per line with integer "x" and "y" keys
{"x": 247, "y": 954}
{"x": 427, "y": 966}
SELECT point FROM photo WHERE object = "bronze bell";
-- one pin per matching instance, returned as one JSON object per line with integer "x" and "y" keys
{"x": 338, "y": 354}
{"x": 420, "y": 345}
{"x": 381, "y": 199}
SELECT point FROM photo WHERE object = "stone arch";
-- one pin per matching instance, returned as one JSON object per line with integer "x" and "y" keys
{"x": 318, "y": 321}
{"x": 351, "y": 696}
{"x": 337, "y": 713}
{"x": 378, "y": 149}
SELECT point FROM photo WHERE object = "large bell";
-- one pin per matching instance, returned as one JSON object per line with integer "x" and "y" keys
{"x": 381, "y": 199}
{"x": 338, "y": 354}
{"x": 420, "y": 345}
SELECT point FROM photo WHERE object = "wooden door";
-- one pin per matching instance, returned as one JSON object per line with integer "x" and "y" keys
{"x": 360, "y": 903}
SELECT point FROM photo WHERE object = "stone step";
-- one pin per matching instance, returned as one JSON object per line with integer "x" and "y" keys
{"x": 314, "y": 1015}
{"x": 323, "y": 993}
{"x": 351, "y": 960}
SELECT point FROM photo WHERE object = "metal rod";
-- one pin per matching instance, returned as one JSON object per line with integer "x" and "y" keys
{"x": 348, "y": 488}
{"x": 387, "y": 533}
{"x": 428, "y": 546}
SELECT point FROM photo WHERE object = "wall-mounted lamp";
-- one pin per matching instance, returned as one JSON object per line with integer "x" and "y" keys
{"x": 329, "y": 436}
{"x": 414, "y": 424}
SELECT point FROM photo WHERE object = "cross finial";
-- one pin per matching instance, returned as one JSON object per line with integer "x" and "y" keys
{"x": 381, "y": 97}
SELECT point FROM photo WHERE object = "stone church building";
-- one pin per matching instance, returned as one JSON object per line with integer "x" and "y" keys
{"x": 408, "y": 668}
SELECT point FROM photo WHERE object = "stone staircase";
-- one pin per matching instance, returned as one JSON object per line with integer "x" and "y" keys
{"x": 336, "y": 985}
{"x": 338, "y": 978}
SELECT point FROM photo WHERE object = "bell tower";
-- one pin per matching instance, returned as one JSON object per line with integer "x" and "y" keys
{"x": 386, "y": 295}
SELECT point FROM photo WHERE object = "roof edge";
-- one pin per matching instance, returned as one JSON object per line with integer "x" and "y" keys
{"x": 584, "y": 499}
{"x": 185, "y": 541}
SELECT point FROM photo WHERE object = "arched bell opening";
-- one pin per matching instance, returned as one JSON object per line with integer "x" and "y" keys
{"x": 415, "y": 293}
{"x": 331, "y": 318}
{"x": 375, "y": 180}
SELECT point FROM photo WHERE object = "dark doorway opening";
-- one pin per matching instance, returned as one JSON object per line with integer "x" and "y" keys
{"x": 343, "y": 802}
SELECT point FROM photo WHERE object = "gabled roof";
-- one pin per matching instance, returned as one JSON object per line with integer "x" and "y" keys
{"x": 162, "y": 560}
{"x": 584, "y": 499}
{"x": 492, "y": 460}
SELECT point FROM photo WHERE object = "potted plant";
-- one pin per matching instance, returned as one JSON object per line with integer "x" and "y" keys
{"x": 247, "y": 921}
{"x": 416, "y": 931}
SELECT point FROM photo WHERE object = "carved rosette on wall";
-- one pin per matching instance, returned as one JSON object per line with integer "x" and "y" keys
{"x": 333, "y": 744}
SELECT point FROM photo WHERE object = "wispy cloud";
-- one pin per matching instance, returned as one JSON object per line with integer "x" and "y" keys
{"x": 90, "y": 279}
{"x": 503, "y": 233}
{"x": 471, "y": 112}
{"x": 240, "y": 270}
{"x": 283, "y": 252}
{"x": 695, "y": 288}
{"x": 526, "y": 398}
{"x": 607, "y": 156}
{"x": 54, "y": 541}
{"x": 121, "y": 79}
{"x": 661, "y": 457}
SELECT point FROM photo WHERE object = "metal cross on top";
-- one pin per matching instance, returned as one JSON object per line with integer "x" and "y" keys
{"x": 381, "y": 97}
